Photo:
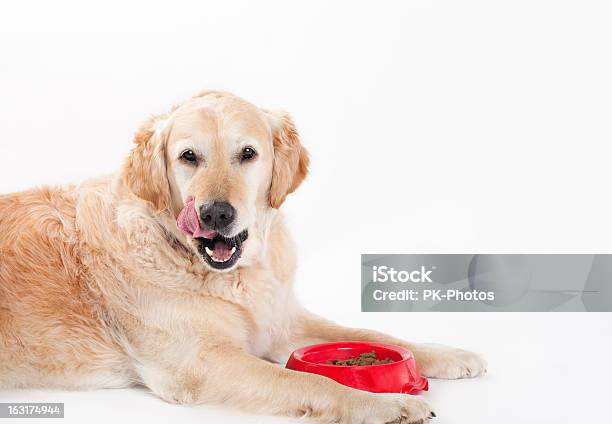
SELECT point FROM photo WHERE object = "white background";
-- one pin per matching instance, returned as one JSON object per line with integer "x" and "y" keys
{"x": 434, "y": 127}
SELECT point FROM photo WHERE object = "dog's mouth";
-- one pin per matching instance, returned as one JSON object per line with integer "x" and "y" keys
{"x": 222, "y": 252}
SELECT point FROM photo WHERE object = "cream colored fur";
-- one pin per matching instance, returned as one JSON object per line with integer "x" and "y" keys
{"x": 98, "y": 288}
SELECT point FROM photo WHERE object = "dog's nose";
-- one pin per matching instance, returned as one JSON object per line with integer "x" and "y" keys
{"x": 217, "y": 216}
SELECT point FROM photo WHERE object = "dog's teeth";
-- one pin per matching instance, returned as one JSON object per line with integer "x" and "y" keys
{"x": 211, "y": 254}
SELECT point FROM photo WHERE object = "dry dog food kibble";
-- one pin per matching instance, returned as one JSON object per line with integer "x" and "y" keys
{"x": 368, "y": 358}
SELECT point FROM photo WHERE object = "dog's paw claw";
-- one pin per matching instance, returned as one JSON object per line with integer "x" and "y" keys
{"x": 439, "y": 361}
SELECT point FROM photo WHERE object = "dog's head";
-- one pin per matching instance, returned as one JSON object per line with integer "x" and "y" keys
{"x": 232, "y": 160}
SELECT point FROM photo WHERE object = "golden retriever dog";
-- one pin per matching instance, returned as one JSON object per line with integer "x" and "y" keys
{"x": 100, "y": 288}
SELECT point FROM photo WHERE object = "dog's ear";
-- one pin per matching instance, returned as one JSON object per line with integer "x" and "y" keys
{"x": 290, "y": 158}
{"x": 144, "y": 172}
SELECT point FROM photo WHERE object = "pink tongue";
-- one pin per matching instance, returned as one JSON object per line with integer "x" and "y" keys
{"x": 222, "y": 250}
{"x": 189, "y": 222}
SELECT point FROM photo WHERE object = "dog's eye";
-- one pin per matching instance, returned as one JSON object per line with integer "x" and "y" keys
{"x": 189, "y": 156}
{"x": 248, "y": 153}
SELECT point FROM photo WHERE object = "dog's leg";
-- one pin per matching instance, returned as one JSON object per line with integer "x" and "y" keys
{"x": 226, "y": 374}
{"x": 433, "y": 360}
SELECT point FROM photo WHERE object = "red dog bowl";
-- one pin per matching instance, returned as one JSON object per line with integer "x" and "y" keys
{"x": 400, "y": 376}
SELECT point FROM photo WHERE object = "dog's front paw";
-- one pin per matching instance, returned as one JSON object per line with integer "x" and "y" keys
{"x": 382, "y": 408}
{"x": 439, "y": 361}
